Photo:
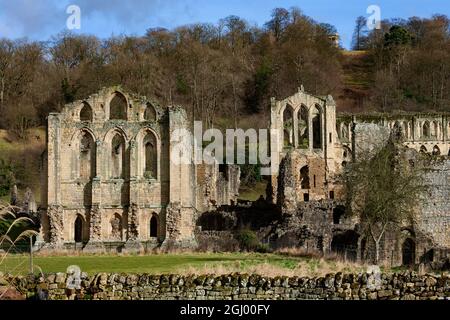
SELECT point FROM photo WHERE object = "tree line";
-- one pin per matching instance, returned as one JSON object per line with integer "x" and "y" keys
{"x": 410, "y": 62}
{"x": 225, "y": 73}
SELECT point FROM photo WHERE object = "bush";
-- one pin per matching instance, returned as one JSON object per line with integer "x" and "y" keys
{"x": 248, "y": 240}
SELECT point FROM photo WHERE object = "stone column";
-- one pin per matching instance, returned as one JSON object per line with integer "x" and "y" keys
{"x": 56, "y": 226}
{"x": 310, "y": 131}
{"x": 133, "y": 244}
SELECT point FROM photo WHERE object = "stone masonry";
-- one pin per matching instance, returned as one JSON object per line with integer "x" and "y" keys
{"x": 314, "y": 146}
{"x": 108, "y": 179}
{"x": 365, "y": 286}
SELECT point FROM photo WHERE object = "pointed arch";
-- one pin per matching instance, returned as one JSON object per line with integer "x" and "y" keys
{"x": 149, "y": 150}
{"x": 118, "y": 107}
{"x": 150, "y": 113}
{"x": 116, "y": 227}
{"x": 79, "y": 229}
{"x": 118, "y": 156}
{"x": 154, "y": 226}
{"x": 303, "y": 127}
{"x": 304, "y": 178}
{"x": 288, "y": 126}
{"x": 436, "y": 151}
{"x": 426, "y": 130}
{"x": 151, "y": 156}
{"x": 86, "y": 114}
{"x": 317, "y": 130}
{"x": 88, "y": 156}
{"x": 423, "y": 149}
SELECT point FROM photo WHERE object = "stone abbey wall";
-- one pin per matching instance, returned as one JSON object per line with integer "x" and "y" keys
{"x": 108, "y": 175}
{"x": 315, "y": 144}
{"x": 406, "y": 286}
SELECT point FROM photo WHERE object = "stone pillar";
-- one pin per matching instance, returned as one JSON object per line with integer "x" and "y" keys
{"x": 180, "y": 226}
{"x": 95, "y": 243}
{"x": 56, "y": 226}
{"x": 310, "y": 131}
{"x": 54, "y": 159}
{"x": 133, "y": 243}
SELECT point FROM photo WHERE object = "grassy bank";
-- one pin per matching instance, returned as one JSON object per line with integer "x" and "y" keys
{"x": 199, "y": 263}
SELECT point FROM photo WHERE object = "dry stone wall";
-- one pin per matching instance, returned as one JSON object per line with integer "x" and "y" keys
{"x": 405, "y": 286}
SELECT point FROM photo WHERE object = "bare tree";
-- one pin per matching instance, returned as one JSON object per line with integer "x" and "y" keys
{"x": 359, "y": 35}
{"x": 383, "y": 190}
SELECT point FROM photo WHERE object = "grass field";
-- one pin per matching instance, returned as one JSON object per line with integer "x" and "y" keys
{"x": 266, "y": 264}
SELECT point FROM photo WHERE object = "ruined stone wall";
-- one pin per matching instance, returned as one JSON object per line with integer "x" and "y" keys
{"x": 426, "y": 132}
{"x": 216, "y": 186}
{"x": 109, "y": 175}
{"x": 434, "y": 218}
{"x": 406, "y": 286}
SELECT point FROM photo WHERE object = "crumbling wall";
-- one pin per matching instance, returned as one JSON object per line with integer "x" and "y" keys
{"x": 434, "y": 218}
{"x": 363, "y": 286}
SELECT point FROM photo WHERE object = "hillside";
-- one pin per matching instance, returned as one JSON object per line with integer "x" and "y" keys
{"x": 358, "y": 78}
{"x": 20, "y": 162}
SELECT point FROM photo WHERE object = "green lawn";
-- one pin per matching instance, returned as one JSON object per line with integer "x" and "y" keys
{"x": 156, "y": 264}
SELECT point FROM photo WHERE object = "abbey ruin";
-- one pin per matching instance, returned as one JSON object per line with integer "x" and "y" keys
{"x": 109, "y": 181}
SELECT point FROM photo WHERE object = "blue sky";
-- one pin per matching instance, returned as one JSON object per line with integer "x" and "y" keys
{"x": 40, "y": 19}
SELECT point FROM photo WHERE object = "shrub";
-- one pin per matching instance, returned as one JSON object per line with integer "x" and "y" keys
{"x": 248, "y": 240}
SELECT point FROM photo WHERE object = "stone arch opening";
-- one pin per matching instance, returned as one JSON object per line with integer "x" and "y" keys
{"x": 423, "y": 149}
{"x": 118, "y": 158}
{"x": 408, "y": 252}
{"x": 317, "y": 128}
{"x": 149, "y": 113}
{"x": 435, "y": 129}
{"x": 304, "y": 178}
{"x": 78, "y": 229}
{"x": 154, "y": 226}
{"x": 344, "y": 132}
{"x": 118, "y": 107}
{"x": 87, "y": 156}
{"x": 288, "y": 126}
{"x": 303, "y": 130}
{"x": 338, "y": 213}
{"x": 426, "y": 130}
{"x": 86, "y": 114}
{"x": 151, "y": 156}
{"x": 346, "y": 245}
{"x": 436, "y": 151}
{"x": 116, "y": 227}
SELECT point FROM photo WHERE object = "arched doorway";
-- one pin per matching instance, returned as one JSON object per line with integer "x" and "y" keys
{"x": 346, "y": 245}
{"x": 304, "y": 178}
{"x": 338, "y": 213}
{"x": 408, "y": 252}
{"x": 154, "y": 227}
{"x": 79, "y": 229}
